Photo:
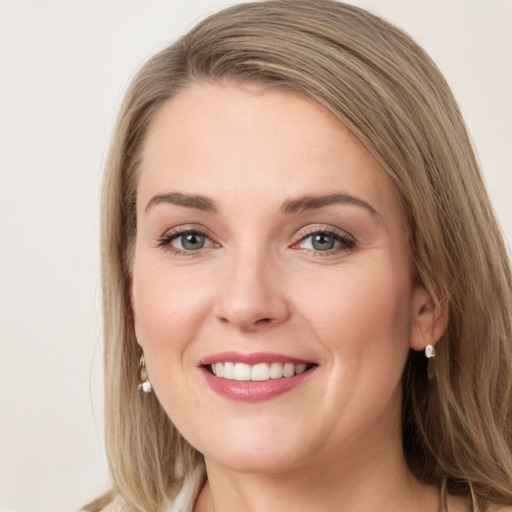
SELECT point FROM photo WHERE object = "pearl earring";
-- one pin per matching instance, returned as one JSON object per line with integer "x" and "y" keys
{"x": 144, "y": 385}
{"x": 430, "y": 353}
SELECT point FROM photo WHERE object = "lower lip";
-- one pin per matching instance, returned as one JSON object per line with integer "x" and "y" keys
{"x": 254, "y": 391}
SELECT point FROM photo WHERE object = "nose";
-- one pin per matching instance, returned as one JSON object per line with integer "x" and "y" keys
{"x": 251, "y": 297}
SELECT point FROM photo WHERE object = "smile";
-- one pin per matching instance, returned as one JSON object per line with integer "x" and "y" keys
{"x": 255, "y": 377}
{"x": 257, "y": 372}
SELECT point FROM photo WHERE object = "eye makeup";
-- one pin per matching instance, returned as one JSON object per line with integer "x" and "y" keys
{"x": 186, "y": 241}
{"x": 317, "y": 240}
{"x": 324, "y": 241}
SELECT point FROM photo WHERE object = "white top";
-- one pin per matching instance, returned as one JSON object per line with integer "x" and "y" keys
{"x": 186, "y": 498}
{"x": 183, "y": 502}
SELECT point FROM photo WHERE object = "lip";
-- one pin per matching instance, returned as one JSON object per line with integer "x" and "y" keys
{"x": 252, "y": 358}
{"x": 253, "y": 391}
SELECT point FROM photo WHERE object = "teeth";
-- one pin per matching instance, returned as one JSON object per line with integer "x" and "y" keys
{"x": 276, "y": 370}
{"x": 300, "y": 368}
{"x": 242, "y": 371}
{"x": 260, "y": 372}
{"x": 289, "y": 370}
{"x": 257, "y": 372}
{"x": 229, "y": 370}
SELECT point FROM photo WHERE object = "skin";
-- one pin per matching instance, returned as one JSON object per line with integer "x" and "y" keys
{"x": 260, "y": 285}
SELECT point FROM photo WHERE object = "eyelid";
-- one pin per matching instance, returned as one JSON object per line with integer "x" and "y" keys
{"x": 322, "y": 228}
{"x": 347, "y": 240}
{"x": 164, "y": 241}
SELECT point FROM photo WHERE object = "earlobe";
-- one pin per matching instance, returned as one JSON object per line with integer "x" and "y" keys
{"x": 429, "y": 320}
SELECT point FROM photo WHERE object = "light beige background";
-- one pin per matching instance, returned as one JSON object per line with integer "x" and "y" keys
{"x": 63, "y": 68}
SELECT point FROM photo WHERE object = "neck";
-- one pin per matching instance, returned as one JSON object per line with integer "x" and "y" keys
{"x": 370, "y": 480}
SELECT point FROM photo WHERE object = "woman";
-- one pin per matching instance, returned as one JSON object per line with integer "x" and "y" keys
{"x": 294, "y": 225}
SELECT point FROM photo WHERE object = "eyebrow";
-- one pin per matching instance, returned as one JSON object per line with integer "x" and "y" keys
{"x": 315, "y": 202}
{"x": 200, "y": 203}
{"x": 291, "y": 206}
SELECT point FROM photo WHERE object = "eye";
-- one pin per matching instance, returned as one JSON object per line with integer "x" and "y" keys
{"x": 189, "y": 241}
{"x": 319, "y": 242}
{"x": 185, "y": 241}
{"x": 326, "y": 241}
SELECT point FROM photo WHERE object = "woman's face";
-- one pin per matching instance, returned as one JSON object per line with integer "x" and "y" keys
{"x": 271, "y": 248}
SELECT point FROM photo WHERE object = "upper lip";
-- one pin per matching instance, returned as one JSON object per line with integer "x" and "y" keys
{"x": 251, "y": 358}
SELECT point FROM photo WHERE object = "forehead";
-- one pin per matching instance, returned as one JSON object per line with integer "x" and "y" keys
{"x": 258, "y": 142}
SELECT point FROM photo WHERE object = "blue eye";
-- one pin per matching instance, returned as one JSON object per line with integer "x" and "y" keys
{"x": 187, "y": 241}
{"x": 190, "y": 241}
{"x": 325, "y": 241}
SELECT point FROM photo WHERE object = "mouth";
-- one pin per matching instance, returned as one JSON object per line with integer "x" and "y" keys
{"x": 254, "y": 377}
{"x": 259, "y": 372}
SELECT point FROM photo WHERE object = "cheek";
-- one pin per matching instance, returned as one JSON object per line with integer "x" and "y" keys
{"x": 168, "y": 309}
{"x": 362, "y": 321}
{"x": 361, "y": 313}
{"x": 169, "y": 314}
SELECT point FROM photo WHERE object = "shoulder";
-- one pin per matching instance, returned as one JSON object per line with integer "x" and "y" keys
{"x": 183, "y": 501}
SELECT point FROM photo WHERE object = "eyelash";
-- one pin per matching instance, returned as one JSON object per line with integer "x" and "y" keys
{"x": 166, "y": 240}
{"x": 346, "y": 242}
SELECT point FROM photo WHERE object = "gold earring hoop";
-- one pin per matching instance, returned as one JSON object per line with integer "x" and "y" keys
{"x": 144, "y": 385}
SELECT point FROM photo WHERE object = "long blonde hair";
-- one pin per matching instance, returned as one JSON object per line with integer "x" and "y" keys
{"x": 377, "y": 82}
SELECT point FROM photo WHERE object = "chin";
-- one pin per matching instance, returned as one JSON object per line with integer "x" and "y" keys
{"x": 255, "y": 462}
{"x": 256, "y": 453}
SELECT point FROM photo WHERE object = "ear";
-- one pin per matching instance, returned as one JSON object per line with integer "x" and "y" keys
{"x": 428, "y": 320}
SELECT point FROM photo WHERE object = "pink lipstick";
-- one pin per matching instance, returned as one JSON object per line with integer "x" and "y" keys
{"x": 254, "y": 377}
